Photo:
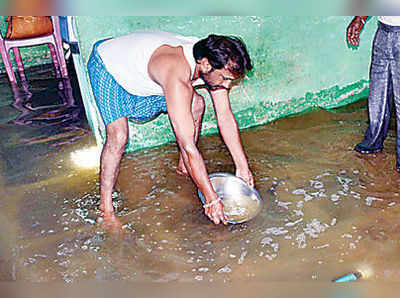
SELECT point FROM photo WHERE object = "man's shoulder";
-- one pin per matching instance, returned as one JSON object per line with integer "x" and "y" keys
{"x": 172, "y": 61}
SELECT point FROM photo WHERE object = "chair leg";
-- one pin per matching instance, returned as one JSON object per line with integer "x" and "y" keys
{"x": 59, "y": 47}
{"x": 69, "y": 96}
{"x": 7, "y": 64}
{"x": 20, "y": 65}
{"x": 18, "y": 104}
{"x": 63, "y": 64}
{"x": 54, "y": 56}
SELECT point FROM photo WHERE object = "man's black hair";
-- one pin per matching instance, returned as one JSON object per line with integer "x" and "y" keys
{"x": 224, "y": 51}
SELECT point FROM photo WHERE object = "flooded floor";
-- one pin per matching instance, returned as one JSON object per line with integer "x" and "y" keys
{"x": 327, "y": 210}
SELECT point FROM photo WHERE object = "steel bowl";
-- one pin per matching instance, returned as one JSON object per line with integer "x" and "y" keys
{"x": 241, "y": 203}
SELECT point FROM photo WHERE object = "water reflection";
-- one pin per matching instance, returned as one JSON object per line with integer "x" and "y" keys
{"x": 58, "y": 108}
{"x": 38, "y": 117}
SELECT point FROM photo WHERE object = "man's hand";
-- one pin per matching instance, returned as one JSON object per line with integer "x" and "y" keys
{"x": 246, "y": 175}
{"x": 216, "y": 213}
{"x": 354, "y": 30}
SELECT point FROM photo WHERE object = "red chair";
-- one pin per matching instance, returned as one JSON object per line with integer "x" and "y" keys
{"x": 56, "y": 49}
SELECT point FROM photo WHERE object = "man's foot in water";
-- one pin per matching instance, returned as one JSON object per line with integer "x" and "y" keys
{"x": 181, "y": 169}
{"x": 111, "y": 224}
{"x": 106, "y": 209}
{"x": 182, "y": 172}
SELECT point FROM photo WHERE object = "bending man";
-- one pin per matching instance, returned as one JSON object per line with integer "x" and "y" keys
{"x": 145, "y": 73}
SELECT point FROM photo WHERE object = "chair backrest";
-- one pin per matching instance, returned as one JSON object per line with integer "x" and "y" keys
{"x": 53, "y": 40}
{"x": 56, "y": 28}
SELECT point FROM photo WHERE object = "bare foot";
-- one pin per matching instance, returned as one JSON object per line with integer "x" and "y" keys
{"x": 111, "y": 224}
{"x": 181, "y": 169}
{"x": 106, "y": 210}
{"x": 182, "y": 172}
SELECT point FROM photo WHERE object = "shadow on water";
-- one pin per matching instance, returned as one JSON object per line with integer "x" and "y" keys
{"x": 36, "y": 117}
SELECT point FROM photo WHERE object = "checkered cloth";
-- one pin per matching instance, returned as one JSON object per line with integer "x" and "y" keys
{"x": 114, "y": 101}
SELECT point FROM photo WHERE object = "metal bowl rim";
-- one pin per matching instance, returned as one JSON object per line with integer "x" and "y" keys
{"x": 223, "y": 174}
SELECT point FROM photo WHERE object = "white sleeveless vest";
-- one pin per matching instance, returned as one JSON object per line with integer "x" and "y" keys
{"x": 126, "y": 58}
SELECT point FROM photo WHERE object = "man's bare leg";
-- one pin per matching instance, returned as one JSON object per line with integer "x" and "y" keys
{"x": 198, "y": 107}
{"x": 116, "y": 140}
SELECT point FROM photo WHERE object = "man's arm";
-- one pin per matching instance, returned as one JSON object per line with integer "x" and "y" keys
{"x": 354, "y": 30}
{"x": 179, "y": 98}
{"x": 173, "y": 75}
{"x": 230, "y": 134}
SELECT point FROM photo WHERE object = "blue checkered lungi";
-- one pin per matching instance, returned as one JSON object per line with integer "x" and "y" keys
{"x": 114, "y": 101}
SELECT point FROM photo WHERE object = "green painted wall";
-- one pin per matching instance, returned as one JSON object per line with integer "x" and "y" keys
{"x": 299, "y": 63}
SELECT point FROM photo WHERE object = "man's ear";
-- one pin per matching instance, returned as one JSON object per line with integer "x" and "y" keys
{"x": 205, "y": 65}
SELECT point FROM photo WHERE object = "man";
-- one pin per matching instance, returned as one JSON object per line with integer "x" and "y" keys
{"x": 147, "y": 72}
{"x": 384, "y": 86}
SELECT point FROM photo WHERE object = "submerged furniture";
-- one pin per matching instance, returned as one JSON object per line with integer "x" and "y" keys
{"x": 56, "y": 49}
{"x": 52, "y": 114}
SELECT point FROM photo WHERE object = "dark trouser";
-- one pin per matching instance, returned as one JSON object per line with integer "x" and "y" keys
{"x": 384, "y": 90}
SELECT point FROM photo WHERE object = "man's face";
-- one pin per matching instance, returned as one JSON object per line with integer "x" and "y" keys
{"x": 217, "y": 79}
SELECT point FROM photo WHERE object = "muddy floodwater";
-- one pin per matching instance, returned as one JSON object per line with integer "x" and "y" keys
{"x": 327, "y": 210}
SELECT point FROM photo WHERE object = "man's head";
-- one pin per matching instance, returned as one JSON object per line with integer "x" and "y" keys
{"x": 222, "y": 58}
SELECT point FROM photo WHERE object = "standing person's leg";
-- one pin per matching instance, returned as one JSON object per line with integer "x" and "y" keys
{"x": 396, "y": 92}
{"x": 115, "y": 104}
{"x": 198, "y": 107}
{"x": 380, "y": 100}
{"x": 395, "y": 68}
{"x": 116, "y": 140}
